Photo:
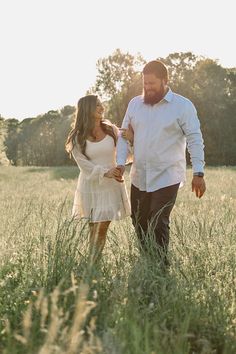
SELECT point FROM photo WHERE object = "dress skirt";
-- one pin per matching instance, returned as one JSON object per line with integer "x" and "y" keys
{"x": 98, "y": 201}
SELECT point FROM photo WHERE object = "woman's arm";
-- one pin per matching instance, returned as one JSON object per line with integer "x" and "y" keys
{"x": 93, "y": 172}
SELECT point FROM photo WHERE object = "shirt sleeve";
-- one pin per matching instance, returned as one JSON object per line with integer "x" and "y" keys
{"x": 190, "y": 126}
{"x": 92, "y": 171}
{"x": 122, "y": 148}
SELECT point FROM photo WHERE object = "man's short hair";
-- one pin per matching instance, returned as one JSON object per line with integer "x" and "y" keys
{"x": 157, "y": 68}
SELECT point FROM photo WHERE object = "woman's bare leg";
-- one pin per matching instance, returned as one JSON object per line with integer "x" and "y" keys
{"x": 98, "y": 232}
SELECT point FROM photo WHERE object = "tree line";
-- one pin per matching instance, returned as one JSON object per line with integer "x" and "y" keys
{"x": 40, "y": 141}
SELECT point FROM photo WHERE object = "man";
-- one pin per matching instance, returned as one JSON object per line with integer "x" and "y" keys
{"x": 162, "y": 123}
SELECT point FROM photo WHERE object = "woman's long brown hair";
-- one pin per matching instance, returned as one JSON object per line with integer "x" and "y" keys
{"x": 83, "y": 125}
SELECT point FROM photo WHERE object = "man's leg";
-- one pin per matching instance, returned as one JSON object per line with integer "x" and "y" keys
{"x": 161, "y": 205}
{"x": 140, "y": 204}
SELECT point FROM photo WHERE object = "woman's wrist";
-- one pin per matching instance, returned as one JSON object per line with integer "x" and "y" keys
{"x": 106, "y": 173}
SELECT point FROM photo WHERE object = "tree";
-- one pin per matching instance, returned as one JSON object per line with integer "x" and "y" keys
{"x": 40, "y": 141}
{"x": 212, "y": 89}
{"x": 181, "y": 68}
{"x": 11, "y": 140}
{"x": 118, "y": 80}
{"x": 3, "y": 131}
{"x": 67, "y": 111}
{"x": 210, "y": 92}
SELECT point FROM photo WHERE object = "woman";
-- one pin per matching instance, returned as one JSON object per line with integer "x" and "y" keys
{"x": 101, "y": 194}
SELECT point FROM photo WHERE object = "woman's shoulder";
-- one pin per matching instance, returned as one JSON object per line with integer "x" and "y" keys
{"x": 111, "y": 125}
{"x": 76, "y": 146}
{"x": 107, "y": 122}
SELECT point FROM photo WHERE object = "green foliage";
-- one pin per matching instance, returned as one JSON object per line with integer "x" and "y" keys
{"x": 3, "y": 131}
{"x": 40, "y": 141}
{"x": 212, "y": 89}
{"x": 118, "y": 80}
{"x": 116, "y": 72}
{"x": 11, "y": 141}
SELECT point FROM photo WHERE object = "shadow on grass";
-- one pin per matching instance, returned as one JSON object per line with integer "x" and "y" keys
{"x": 231, "y": 168}
{"x": 56, "y": 173}
{"x": 37, "y": 169}
{"x": 64, "y": 172}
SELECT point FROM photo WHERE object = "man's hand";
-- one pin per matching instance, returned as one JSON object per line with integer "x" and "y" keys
{"x": 198, "y": 186}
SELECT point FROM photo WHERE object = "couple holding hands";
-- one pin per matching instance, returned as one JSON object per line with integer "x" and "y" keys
{"x": 159, "y": 123}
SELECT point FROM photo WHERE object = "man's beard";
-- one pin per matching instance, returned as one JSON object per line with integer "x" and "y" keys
{"x": 157, "y": 97}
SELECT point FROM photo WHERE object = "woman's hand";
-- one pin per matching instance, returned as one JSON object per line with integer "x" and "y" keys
{"x": 128, "y": 134}
{"x": 114, "y": 173}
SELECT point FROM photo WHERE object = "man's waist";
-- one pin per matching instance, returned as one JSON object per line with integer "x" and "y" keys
{"x": 152, "y": 164}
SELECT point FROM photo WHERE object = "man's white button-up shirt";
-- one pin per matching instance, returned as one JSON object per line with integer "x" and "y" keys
{"x": 161, "y": 132}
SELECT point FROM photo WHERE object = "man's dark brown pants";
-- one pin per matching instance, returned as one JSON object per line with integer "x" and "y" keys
{"x": 151, "y": 214}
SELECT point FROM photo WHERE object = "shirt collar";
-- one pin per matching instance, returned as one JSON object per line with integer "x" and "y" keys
{"x": 169, "y": 95}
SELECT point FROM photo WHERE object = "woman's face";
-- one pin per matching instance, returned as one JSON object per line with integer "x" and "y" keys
{"x": 99, "y": 110}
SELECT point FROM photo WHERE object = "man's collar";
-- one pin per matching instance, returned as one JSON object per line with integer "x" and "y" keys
{"x": 169, "y": 95}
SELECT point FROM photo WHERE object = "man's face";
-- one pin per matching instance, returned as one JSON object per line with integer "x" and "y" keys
{"x": 153, "y": 88}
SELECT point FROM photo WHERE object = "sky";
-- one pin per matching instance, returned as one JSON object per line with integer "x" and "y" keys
{"x": 49, "y": 48}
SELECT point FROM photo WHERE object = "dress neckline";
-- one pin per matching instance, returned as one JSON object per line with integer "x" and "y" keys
{"x": 96, "y": 142}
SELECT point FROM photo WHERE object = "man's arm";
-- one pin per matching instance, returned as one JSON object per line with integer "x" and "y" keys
{"x": 128, "y": 134}
{"x": 190, "y": 126}
{"x": 122, "y": 144}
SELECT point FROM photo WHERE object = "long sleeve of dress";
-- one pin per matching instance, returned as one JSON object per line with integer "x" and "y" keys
{"x": 92, "y": 171}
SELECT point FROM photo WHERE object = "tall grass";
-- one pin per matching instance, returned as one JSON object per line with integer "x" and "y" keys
{"x": 53, "y": 301}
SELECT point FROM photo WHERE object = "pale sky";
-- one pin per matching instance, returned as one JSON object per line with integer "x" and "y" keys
{"x": 49, "y": 48}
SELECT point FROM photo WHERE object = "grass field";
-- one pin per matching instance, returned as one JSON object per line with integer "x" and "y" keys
{"x": 52, "y": 301}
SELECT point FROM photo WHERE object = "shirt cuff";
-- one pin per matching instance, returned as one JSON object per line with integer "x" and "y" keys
{"x": 120, "y": 162}
{"x": 198, "y": 168}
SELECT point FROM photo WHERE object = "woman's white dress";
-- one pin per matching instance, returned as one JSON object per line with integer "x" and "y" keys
{"x": 99, "y": 198}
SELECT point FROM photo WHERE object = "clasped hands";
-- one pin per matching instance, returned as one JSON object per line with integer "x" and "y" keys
{"x": 116, "y": 173}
